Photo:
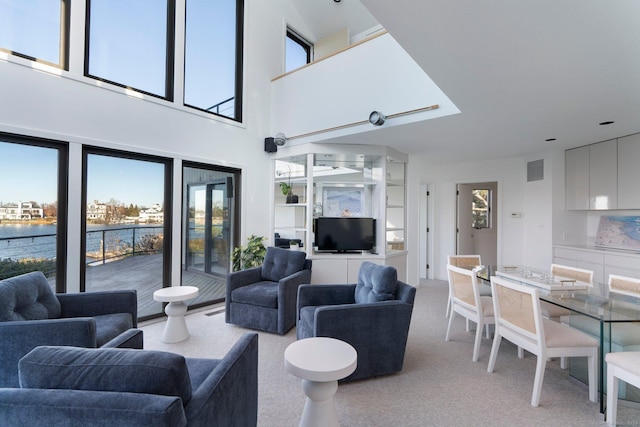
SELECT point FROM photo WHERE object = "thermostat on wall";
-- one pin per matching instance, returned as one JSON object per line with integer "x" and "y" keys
{"x": 516, "y": 215}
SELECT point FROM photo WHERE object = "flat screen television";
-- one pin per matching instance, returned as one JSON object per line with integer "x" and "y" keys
{"x": 345, "y": 234}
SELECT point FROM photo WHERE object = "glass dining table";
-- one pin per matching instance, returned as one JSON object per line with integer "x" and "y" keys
{"x": 611, "y": 317}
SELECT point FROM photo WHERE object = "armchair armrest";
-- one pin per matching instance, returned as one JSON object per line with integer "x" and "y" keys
{"x": 241, "y": 278}
{"x": 51, "y": 407}
{"x": 378, "y": 331}
{"x": 325, "y": 295}
{"x": 229, "y": 395}
{"x": 88, "y": 304}
{"x": 287, "y": 294}
{"x": 19, "y": 338}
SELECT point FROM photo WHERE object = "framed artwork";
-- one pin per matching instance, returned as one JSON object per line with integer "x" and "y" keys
{"x": 621, "y": 232}
{"x": 342, "y": 201}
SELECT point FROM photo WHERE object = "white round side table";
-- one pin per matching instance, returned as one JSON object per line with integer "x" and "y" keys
{"x": 176, "y": 328}
{"x": 320, "y": 362}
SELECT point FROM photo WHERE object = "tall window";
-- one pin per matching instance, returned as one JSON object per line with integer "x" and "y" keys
{"x": 213, "y": 57}
{"x": 131, "y": 44}
{"x": 33, "y": 208}
{"x": 298, "y": 51}
{"x": 127, "y": 207}
{"x": 35, "y": 29}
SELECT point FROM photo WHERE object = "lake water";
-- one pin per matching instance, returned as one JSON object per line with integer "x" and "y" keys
{"x": 19, "y": 241}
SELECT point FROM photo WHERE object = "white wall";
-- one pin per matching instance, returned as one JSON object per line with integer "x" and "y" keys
{"x": 45, "y": 102}
{"x": 442, "y": 179}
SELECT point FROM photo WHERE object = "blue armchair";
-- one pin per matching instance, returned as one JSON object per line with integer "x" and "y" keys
{"x": 264, "y": 298}
{"x": 71, "y": 386}
{"x": 32, "y": 315}
{"x": 372, "y": 315}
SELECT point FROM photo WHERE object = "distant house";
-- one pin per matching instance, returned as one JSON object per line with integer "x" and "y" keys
{"x": 152, "y": 214}
{"x": 20, "y": 211}
{"x": 96, "y": 211}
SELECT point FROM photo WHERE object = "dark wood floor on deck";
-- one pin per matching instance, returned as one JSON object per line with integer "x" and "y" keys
{"x": 144, "y": 273}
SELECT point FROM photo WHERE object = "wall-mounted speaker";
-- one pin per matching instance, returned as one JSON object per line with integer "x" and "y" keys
{"x": 269, "y": 145}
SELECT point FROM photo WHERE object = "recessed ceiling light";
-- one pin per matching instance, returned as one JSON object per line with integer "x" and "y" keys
{"x": 550, "y": 139}
{"x": 606, "y": 123}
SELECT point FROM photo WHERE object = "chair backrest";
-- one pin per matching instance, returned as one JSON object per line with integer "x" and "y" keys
{"x": 517, "y": 313}
{"x": 279, "y": 263}
{"x": 375, "y": 283}
{"x": 464, "y": 260}
{"x": 463, "y": 284}
{"x": 28, "y": 297}
{"x": 579, "y": 274}
{"x": 624, "y": 285}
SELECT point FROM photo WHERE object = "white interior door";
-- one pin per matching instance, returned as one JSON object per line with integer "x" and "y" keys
{"x": 477, "y": 223}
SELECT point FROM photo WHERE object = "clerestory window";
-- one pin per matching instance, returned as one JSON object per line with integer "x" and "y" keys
{"x": 299, "y": 51}
{"x": 36, "y": 29}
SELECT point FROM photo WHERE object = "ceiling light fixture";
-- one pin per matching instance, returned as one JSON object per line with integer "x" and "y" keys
{"x": 376, "y": 118}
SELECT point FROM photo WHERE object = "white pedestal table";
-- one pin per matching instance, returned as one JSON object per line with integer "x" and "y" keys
{"x": 176, "y": 328}
{"x": 320, "y": 362}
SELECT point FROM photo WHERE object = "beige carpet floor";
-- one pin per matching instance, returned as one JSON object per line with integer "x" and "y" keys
{"x": 439, "y": 385}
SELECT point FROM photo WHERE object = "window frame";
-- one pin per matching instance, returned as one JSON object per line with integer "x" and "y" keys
{"x": 170, "y": 54}
{"x": 62, "y": 196}
{"x": 306, "y": 45}
{"x": 239, "y": 49}
{"x": 168, "y": 203}
{"x": 488, "y": 212}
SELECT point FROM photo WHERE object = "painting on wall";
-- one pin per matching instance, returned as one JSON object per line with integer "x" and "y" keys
{"x": 342, "y": 201}
{"x": 620, "y": 232}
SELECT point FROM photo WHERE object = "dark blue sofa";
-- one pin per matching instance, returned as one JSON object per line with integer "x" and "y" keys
{"x": 32, "y": 315}
{"x": 264, "y": 298}
{"x": 71, "y": 386}
{"x": 373, "y": 316}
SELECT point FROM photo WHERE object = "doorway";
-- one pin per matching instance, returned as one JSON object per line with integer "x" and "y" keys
{"x": 208, "y": 238}
{"x": 476, "y": 222}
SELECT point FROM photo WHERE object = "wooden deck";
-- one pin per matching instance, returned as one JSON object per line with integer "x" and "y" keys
{"x": 144, "y": 273}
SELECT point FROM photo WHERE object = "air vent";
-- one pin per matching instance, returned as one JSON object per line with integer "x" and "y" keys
{"x": 535, "y": 170}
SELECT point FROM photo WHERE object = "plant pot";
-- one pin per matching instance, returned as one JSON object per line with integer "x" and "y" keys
{"x": 294, "y": 247}
{"x": 292, "y": 198}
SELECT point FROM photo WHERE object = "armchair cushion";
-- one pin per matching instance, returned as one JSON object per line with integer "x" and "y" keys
{"x": 263, "y": 294}
{"x": 116, "y": 370}
{"x": 279, "y": 263}
{"x": 28, "y": 297}
{"x": 375, "y": 283}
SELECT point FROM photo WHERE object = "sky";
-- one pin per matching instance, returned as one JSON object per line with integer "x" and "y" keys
{"x": 30, "y": 174}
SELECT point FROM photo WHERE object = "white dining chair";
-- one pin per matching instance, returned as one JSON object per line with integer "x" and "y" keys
{"x": 624, "y": 285}
{"x": 467, "y": 301}
{"x": 519, "y": 320}
{"x": 623, "y": 366}
{"x": 461, "y": 261}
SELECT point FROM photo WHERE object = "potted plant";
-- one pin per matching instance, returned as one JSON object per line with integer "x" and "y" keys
{"x": 287, "y": 190}
{"x": 293, "y": 245}
{"x": 251, "y": 255}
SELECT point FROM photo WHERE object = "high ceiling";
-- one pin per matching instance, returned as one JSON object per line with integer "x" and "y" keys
{"x": 520, "y": 72}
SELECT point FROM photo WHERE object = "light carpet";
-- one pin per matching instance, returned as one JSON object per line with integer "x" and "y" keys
{"x": 439, "y": 385}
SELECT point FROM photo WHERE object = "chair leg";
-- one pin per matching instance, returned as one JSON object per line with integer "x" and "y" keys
{"x": 467, "y": 327}
{"x": 563, "y": 362}
{"x": 476, "y": 344}
{"x": 488, "y": 327}
{"x": 448, "y": 312}
{"x": 592, "y": 362}
{"x": 520, "y": 353}
{"x": 541, "y": 365}
{"x": 451, "y": 316}
{"x": 494, "y": 352}
{"x": 612, "y": 395}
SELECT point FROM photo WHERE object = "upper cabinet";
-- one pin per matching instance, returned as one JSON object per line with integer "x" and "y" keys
{"x": 603, "y": 176}
{"x": 628, "y": 172}
{"x": 603, "y": 179}
{"x": 577, "y": 178}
